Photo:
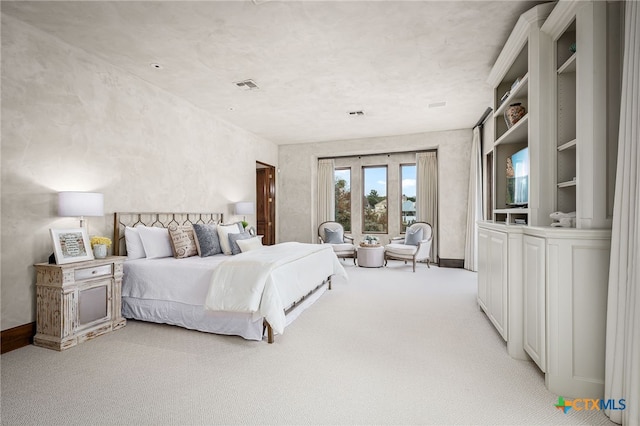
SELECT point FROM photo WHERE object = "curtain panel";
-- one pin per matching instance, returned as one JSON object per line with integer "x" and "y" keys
{"x": 427, "y": 195}
{"x": 326, "y": 191}
{"x": 474, "y": 204}
{"x": 622, "y": 365}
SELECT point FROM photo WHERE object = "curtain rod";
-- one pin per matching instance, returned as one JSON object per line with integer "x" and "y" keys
{"x": 378, "y": 153}
{"x": 485, "y": 114}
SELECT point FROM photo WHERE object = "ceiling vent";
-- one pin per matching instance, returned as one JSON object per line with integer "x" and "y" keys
{"x": 356, "y": 113}
{"x": 247, "y": 84}
{"x": 437, "y": 104}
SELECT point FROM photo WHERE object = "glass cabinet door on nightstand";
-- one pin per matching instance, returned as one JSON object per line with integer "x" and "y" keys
{"x": 94, "y": 303}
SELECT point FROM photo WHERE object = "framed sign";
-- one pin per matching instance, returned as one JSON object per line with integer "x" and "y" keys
{"x": 71, "y": 245}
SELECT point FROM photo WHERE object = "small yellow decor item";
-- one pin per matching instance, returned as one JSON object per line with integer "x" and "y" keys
{"x": 101, "y": 240}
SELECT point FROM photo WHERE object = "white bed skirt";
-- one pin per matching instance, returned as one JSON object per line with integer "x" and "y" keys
{"x": 198, "y": 318}
{"x": 192, "y": 317}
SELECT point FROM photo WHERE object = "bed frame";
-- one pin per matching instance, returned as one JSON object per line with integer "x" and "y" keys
{"x": 163, "y": 220}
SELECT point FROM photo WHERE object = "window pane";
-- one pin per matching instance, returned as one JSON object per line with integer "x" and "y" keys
{"x": 374, "y": 202}
{"x": 408, "y": 190}
{"x": 343, "y": 197}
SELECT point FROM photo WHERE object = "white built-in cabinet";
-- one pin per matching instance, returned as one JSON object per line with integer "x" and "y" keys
{"x": 492, "y": 283}
{"x": 534, "y": 272}
{"x": 500, "y": 282}
{"x": 552, "y": 282}
{"x": 565, "y": 275}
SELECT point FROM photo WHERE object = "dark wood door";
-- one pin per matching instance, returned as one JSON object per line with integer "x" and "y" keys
{"x": 266, "y": 203}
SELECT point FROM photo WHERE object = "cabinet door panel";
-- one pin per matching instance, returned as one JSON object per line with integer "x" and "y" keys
{"x": 534, "y": 299}
{"x": 498, "y": 282}
{"x": 483, "y": 268}
{"x": 93, "y": 304}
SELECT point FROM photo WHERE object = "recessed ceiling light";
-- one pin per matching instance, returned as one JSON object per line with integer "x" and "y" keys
{"x": 437, "y": 104}
{"x": 156, "y": 66}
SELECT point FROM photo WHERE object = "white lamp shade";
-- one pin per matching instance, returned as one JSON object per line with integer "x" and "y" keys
{"x": 244, "y": 207}
{"x": 80, "y": 204}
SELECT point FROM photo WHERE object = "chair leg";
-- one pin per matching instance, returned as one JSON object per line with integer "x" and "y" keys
{"x": 414, "y": 264}
{"x": 428, "y": 266}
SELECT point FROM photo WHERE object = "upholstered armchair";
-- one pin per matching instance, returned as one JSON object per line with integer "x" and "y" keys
{"x": 333, "y": 233}
{"x": 414, "y": 246}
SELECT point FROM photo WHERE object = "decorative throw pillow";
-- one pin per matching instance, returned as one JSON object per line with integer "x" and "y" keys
{"x": 135, "y": 249}
{"x": 156, "y": 241}
{"x": 413, "y": 237}
{"x": 250, "y": 244}
{"x": 233, "y": 241}
{"x": 223, "y": 236}
{"x": 332, "y": 236}
{"x": 207, "y": 241}
{"x": 182, "y": 241}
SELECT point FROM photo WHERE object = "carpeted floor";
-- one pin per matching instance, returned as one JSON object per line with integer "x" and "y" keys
{"x": 388, "y": 347}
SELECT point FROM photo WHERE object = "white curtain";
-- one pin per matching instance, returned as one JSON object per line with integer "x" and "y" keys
{"x": 427, "y": 195}
{"x": 326, "y": 191}
{"x": 474, "y": 204}
{"x": 622, "y": 372}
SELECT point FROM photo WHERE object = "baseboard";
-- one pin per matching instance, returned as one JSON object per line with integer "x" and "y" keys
{"x": 17, "y": 337}
{"x": 451, "y": 263}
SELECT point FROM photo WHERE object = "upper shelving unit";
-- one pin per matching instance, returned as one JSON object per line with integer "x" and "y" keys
{"x": 518, "y": 105}
{"x": 585, "y": 59}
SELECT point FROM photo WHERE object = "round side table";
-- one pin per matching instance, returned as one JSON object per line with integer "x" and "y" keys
{"x": 371, "y": 257}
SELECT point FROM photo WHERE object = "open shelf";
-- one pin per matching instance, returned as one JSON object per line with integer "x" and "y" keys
{"x": 520, "y": 91}
{"x": 512, "y": 216}
{"x": 569, "y": 66}
{"x": 568, "y": 145}
{"x": 517, "y": 133}
{"x": 567, "y": 184}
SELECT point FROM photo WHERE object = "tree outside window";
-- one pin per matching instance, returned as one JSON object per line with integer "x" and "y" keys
{"x": 374, "y": 203}
{"x": 343, "y": 197}
{"x": 408, "y": 191}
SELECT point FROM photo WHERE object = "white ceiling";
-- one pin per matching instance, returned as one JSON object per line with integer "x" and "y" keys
{"x": 314, "y": 61}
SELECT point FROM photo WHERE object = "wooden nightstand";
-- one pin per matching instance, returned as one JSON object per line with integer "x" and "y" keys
{"x": 78, "y": 301}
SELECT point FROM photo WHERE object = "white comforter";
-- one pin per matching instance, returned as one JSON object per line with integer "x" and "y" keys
{"x": 266, "y": 281}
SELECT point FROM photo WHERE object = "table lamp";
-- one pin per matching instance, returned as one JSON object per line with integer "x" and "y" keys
{"x": 80, "y": 204}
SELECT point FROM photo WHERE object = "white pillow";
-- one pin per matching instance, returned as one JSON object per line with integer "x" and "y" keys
{"x": 249, "y": 244}
{"x": 156, "y": 241}
{"x": 135, "y": 249}
{"x": 223, "y": 234}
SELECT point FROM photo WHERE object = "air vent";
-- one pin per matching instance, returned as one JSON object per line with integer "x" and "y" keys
{"x": 356, "y": 113}
{"x": 437, "y": 104}
{"x": 247, "y": 85}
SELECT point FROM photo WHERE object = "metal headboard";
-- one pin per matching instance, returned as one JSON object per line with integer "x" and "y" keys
{"x": 160, "y": 220}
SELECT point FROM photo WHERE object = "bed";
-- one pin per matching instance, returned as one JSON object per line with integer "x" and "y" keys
{"x": 253, "y": 294}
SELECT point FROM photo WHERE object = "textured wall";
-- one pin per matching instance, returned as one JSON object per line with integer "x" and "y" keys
{"x": 73, "y": 122}
{"x": 298, "y": 182}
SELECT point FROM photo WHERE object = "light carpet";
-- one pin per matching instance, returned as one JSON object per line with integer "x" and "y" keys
{"x": 388, "y": 347}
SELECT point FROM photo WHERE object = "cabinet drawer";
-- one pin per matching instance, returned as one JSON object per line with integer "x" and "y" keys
{"x": 93, "y": 272}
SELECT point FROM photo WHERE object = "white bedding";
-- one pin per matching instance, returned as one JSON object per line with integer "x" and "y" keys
{"x": 266, "y": 281}
{"x": 177, "y": 280}
{"x": 173, "y": 291}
